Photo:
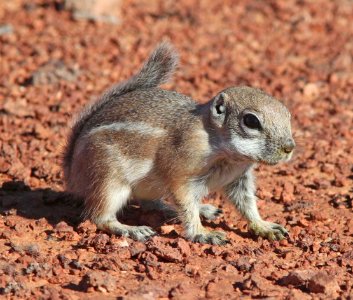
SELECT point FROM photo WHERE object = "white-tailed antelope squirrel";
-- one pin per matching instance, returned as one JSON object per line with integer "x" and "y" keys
{"x": 140, "y": 141}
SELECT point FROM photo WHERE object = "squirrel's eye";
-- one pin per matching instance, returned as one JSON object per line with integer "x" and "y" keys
{"x": 220, "y": 109}
{"x": 251, "y": 121}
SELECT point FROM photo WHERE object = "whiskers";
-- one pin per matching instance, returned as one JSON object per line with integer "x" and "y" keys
{"x": 172, "y": 220}
{"x": 301, "y": 145}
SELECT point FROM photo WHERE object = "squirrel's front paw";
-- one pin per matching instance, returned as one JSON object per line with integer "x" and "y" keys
{"x": 271, "y": 231}
{"x": 211, "y": 237}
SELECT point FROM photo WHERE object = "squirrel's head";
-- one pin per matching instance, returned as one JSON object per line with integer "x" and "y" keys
{"x": 253, "y": 125}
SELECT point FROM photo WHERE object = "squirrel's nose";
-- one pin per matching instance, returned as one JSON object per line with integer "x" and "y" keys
{"x": 289, "y": 146}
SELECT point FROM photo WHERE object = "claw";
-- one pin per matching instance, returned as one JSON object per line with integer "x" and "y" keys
{"x": 271, "y": 231}
{"x": 211, "y": 237}
{"x": 139, "y": 233}
{"x": 219, "y": 212}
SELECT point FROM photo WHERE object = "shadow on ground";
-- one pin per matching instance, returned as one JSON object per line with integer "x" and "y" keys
{"x": 55, "y": 206}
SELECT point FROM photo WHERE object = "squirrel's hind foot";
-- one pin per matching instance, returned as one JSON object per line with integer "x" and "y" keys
{"x": 211, "y": 237}
{"x": 138, "y": 233}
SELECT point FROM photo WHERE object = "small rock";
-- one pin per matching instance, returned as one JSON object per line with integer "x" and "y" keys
{"x": 100, "y": 241}
{"x": 170, "y": 255}
{"x": 298, "y": 294}
{"x": 66, "y": 232}
{"x": 42, "y": 222}
{"x": 75, "y": 264}
{"x": 264, "y": 194}
{"x": 192, "y": 270}
{"x": 343, "y": 60}
{"x": 288, "y": 187}
{"x": 4, "y": 165}
{"x": 86, "y": 227}
{"x": 286, "y": 197}
{"x": 123, "y": 243}
{"x": 183, "y": 247}
{"x": 323, "y": 283}
{"x": 99, "y": 281}
{"x": 340, "y": 181}
{"x": 10, "y": 212}
{"x": 303, "y": 222}
{"x": 9, "y": 269}
{"x": 63, "y": 227}
{"x": 32, "y": 268}
{"x": 311, "y": 91}
{"x": 166, "y": 229}
{"x": 244, "y": 263}
{"x": 105, "y": 263}
{"x": 297, "y": 278}
{"x": 102, "y": 11}
{"x": 213, "y": 250}
{"x": 6, "y": 29}
{"x": 19, "y": 108}
{"x": 149, "y": 259}
{"x": 259, "y": 282}
{"x": 328, "y": 168}
{"x": 41, "y": 132}
{"x": 11, "y": 287}
{"x": 163, "y": 251}
{"x": 137, "y": 248}
{"x": 52, "y": 72}
{"x": 64, "y": 261}
{"x": 221, "y": 289}
{"x": 32, "y": 250}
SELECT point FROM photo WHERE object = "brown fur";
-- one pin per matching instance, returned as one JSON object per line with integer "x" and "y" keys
{"x": 150, "y": 143}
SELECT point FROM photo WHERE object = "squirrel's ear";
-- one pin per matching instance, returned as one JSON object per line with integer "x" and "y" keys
{"x": 219, "y": 107}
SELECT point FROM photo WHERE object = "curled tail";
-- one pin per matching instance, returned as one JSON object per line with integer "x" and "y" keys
{"x": 156, "y": 70}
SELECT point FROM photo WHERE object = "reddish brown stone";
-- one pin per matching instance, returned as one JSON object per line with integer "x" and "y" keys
{"x": 54, "y": 62}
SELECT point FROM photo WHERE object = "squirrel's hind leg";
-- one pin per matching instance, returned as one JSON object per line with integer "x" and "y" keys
{"x": 106, "y": 184}
{"x": 115, "y": 198}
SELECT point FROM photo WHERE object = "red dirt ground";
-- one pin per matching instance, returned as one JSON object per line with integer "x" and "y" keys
{"x": 51, "y": 65}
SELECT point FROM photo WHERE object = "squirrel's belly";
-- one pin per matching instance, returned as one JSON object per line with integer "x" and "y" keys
{"x": 148, "y": 189}
{"x": 222, "y": 174}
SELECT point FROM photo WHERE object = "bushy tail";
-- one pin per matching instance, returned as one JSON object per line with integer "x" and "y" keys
{"x": 157, "y": 70}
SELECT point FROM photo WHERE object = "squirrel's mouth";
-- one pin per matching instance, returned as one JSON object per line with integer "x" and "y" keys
{"x": 270, "y": 159}
{"x": 283, "y": 157}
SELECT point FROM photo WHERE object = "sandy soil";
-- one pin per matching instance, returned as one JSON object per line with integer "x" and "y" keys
{"x": 51, "y": 65}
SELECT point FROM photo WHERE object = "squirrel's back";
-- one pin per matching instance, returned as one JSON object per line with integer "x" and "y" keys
{"x": 157, "y": 70}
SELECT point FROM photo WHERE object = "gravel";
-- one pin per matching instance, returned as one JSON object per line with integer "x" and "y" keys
{"x": 52, "y": 64}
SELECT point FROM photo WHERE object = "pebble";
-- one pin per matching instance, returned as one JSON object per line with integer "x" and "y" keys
{"x": 98, "y": 281}
{"x": 311, "y": 91}
{"x": 97, "y": 10}
{"x": 6, "y": 29}
{"x": 297, "y": 277}
{"x": 324, "y": 283}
